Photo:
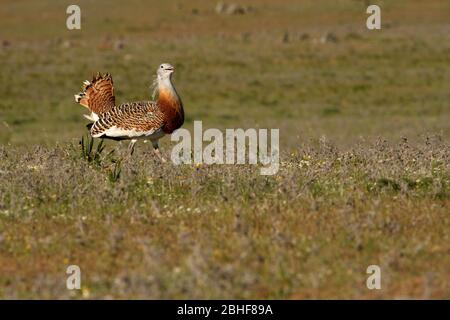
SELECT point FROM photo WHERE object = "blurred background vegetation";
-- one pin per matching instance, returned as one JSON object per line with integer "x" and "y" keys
{"x": 310, "y": 68}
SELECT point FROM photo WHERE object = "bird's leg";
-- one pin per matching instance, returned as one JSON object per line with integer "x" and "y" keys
{"x": 156, "y": 150}
{"x": 131, "y": 147}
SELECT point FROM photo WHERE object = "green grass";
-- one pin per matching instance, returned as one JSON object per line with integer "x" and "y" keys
{"x": 364, "y": 134}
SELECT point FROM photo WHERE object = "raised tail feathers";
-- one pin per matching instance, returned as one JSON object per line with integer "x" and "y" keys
{"x": 97, "y": 95}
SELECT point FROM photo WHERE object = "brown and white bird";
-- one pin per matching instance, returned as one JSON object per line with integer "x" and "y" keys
{"x": 149, "y": 120}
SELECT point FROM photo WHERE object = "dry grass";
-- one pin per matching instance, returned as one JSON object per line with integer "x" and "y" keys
{"x": 161, "y": 231}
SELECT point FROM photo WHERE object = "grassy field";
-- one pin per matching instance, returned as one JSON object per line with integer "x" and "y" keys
{"x": 364, "y": 119}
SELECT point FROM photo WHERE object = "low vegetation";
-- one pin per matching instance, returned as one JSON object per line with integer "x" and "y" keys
{"x": 140, "y": 229}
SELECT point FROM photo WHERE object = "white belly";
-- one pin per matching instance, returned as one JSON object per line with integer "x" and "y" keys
{"x": 133, "y": 134}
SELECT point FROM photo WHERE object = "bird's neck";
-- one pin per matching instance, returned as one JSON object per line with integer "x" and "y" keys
{"x": 170, "y": 104}
{"x": 167, "y": 95}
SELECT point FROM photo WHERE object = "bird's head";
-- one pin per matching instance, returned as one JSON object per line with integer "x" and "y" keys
{"x": 163, "y": 78}
{"x": 165, "y": 71}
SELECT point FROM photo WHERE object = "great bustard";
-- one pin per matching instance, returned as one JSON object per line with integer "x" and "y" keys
{"x": 148, "y": 120}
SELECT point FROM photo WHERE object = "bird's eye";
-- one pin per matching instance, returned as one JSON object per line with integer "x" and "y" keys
{"x": 162, "y": 67}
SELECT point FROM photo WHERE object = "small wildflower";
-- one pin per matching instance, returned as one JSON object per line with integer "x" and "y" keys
{"x": 176, "y": 270}
{"x": 85, "y": 292}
